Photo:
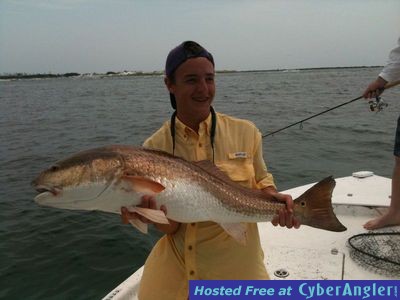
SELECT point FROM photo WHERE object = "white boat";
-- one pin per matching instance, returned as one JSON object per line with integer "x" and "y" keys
{"x": 309, "y": 253}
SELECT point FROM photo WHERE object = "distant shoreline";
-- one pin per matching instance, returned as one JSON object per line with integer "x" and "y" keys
{"x": 155, "y": 73}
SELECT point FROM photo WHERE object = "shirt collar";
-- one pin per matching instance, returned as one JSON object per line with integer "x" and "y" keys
{"x": 204, "y": 127}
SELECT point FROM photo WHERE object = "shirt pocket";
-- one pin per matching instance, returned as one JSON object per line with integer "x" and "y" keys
{"x": 239, "y": 169}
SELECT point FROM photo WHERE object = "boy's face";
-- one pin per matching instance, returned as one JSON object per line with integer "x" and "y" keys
{"x": 194, "y": 87}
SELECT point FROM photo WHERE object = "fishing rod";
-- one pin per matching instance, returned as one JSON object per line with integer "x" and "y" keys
{"x": 377, "y": 105}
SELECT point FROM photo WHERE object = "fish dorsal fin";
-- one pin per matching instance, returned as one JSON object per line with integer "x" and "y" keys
{"x": 212, "y": 169}
{"x": 238, "y": 231}
{"x": 142, "y": 184}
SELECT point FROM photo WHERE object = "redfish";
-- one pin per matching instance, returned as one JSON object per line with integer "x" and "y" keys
{"x": 107, "y": 178}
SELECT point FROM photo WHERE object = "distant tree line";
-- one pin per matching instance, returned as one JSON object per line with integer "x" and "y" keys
{"x": 31, "y": 76}
{"x": 141, "y": 73}
{"x": 73, "y": 74}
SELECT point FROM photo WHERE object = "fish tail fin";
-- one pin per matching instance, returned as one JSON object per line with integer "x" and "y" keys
{"x": 314, "y": 207}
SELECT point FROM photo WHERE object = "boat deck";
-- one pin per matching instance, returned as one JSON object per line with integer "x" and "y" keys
{"x": 309, "y": 253}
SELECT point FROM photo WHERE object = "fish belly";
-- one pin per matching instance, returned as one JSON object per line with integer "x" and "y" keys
{"x": 187, "y": 202}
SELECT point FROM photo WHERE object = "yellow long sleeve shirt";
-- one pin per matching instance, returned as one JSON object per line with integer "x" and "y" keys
{"x": 204, "y": 250}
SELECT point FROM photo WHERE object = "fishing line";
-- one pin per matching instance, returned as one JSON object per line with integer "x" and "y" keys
{"x": 374, "y": 105}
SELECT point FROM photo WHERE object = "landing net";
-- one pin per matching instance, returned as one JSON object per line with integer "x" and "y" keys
{"x": 377, "y": 251}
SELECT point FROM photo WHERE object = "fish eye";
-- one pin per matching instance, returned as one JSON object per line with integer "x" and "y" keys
{"x": 303, "y": 203}
{"x": 54, "y": 168}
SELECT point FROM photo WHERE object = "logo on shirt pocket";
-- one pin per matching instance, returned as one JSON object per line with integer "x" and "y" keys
{"x": 239, "y": 167}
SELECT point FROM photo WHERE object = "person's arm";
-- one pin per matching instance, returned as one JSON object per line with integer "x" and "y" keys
{"x": 265, "y": 180}
{"x": 150, "y": 202}
{"x": 375, "y": 88}
{"x": 390, "y": 73}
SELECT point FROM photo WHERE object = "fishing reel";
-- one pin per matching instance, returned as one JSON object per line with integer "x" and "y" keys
{"x": 377, "y": 104}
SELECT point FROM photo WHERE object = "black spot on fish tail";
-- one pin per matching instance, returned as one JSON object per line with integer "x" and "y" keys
{"x": 314, "y": 207}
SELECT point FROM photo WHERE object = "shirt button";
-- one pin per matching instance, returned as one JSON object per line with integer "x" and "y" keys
{"x": 200, "y": 144}
{"x": 190, "y": 247}
{"x": 191, "y": 273}
{"x": 193, "y": 224}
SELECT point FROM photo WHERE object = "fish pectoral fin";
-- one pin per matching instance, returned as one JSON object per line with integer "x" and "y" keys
{"x": 139, "y": 225}
{"x": 155, "y": 215}
{"x": 143, "y": 184}
{"x": 238, "y": 231}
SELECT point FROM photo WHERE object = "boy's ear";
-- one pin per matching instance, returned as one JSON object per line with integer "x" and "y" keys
{"x": 169, "y": 85}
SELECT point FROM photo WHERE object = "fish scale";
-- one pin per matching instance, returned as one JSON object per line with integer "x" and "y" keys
{"x": 230, "y": 194}
{"x": 110, "y": 177}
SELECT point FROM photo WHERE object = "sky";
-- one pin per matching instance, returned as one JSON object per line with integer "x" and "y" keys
{"x": 84, "y": 36}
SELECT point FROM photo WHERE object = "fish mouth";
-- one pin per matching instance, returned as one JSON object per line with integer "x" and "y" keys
{"x": 43, "y": 189}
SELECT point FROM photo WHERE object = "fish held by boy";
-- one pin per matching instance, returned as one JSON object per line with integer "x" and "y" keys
{"x": 107, "y": 178}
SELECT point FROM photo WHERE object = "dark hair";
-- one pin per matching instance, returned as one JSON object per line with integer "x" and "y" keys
{"x": 179, "y": 55}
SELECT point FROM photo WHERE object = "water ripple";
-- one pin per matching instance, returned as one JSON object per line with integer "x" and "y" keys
{"x": 43, "y": 121}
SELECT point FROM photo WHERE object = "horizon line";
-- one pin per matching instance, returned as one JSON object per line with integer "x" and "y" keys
{"x": 162, "y": 72}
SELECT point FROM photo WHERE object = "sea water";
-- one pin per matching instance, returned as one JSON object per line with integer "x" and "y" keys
{"x": 56, "y": 254}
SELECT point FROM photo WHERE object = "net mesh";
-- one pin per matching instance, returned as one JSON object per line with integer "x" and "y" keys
{"x": 377, "y": 251}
